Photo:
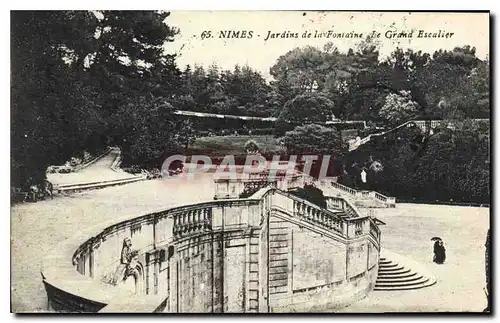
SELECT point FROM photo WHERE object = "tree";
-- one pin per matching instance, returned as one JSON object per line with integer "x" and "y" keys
{"x": 455, "y": 165}
{"x": 399, "y": 108}
{"x": 298, "y": 71}
{"x": 314, "y": 139}
{"x": 185, "y": 133}
{"x": 312, "y": 194}
{"x": 308, "y": 107}
{"x": 148, "y": 131}
{"x": 73, "y": 71}
{"x": 54, "y": 114}
{"x": 252, "y": 147}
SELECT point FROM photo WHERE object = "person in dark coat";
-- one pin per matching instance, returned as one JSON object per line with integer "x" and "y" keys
{"x": 439, "y": 252}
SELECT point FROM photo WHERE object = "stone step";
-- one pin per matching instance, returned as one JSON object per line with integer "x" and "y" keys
{"x": 428, "y": 282}
{"x": 394, "y": 272}
{"x": 421, "y": 280}
{"x": 390, "y": 265}
{"x": 412, "y": 278}
{"x": 396, "y": 276}
{"x": 400, "y": 276}
{"x": 392, "y": 269}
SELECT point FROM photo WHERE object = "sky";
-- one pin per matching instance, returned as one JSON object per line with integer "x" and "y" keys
{"x": 259, "y": 53}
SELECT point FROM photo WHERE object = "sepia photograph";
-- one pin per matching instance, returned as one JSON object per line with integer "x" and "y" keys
{"x": 250, "y": 162}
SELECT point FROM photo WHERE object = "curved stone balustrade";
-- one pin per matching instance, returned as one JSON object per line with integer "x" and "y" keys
{"x": 214, "y": 256}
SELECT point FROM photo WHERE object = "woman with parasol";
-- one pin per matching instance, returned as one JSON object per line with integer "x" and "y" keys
{"x": 439, "y": 250}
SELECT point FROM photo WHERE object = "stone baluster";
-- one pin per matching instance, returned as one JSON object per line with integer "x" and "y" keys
{"x": 176, "y": 224}
{"x": 185, "y": 221}
{"x": 204, "y": 215}
{"x": 182, "y": 220}
{"x": 199, "y": 219}
{"x": 308, "y": 212}
{"x": 207, "y": 219}
{"x": 190, "y": 221}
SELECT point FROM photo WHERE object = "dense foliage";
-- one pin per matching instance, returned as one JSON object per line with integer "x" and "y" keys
{"x": 453, "y": 167}
{"x": 314, "y": 139}
{"x": 84, "y": 80}
{"x": 311, "y": 194}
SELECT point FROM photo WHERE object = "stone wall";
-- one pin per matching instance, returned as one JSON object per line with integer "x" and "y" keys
{"x": 272, "y": 252}
{"x": 312, "y": 272}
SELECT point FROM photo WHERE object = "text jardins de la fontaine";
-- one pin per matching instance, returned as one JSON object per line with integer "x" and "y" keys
{"x": 287, "y": 34}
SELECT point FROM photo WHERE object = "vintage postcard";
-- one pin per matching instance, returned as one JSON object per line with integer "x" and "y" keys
{"x": 250, "y": 162}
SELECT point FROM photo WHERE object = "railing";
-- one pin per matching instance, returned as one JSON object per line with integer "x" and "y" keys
{"x": 381, "y": 197}
{"x": 344, "y": 188}
{"x": 96, "y": 185}
{"x": 166, "y": 226}
{"x": 322, "y": 217}
{"x": 92, "y": 161}
{"x": 192, "y": 222}
{"x": 355, "y": 194}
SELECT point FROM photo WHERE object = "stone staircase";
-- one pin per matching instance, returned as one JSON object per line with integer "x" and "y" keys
{"x": 364, "y": 199}
{"x": 394, "y": 275}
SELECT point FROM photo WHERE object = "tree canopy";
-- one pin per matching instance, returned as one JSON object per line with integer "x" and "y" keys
{"x": 314, "y": 139}
{"x": 83, "y": 80}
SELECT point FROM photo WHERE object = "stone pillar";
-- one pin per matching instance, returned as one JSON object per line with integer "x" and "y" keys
{"x": 217, "y": 277}
{"x": 156, "y": 272}
{"x": 366, "y": 226}
{"x": 173, "y": 283}
{"x": 347, "y": 252}
{"x": 350, "y": 229}
{"x": 152, "y": 271}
